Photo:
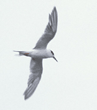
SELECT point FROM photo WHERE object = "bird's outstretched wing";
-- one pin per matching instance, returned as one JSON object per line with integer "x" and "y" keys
{"x": 49, "y": 32}
{"x": 34, "y": 78}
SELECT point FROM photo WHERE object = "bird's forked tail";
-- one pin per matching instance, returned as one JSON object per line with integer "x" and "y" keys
{"x": 21, "y": 52}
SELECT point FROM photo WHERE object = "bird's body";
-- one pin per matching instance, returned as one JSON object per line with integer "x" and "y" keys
{"x": 39, "y": 52}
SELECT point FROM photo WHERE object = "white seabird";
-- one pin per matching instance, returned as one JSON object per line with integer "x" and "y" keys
{"x": 40, "y": 52}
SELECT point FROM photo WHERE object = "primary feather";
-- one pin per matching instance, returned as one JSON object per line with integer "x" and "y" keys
{"x": 34, "y": 77}
{"x": 49, "y": 32}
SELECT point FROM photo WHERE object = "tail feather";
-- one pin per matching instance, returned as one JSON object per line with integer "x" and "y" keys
{"x": 20, "y": 52}
{"x": 31, "y": 88}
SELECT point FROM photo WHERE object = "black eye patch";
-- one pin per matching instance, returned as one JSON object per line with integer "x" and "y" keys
{"x": 52, "y": 52}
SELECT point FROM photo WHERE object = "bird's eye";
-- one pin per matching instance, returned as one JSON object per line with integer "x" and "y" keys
{"x": 52, "y": 52}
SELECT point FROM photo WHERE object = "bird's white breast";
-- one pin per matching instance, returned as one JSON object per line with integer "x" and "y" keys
{"x": 38, "y": 53}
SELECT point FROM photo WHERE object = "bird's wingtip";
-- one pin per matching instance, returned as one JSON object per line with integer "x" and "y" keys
{"x": 25, "y": 98}
{"x": 54, "y": 8}
{"x": 31, "y": 88}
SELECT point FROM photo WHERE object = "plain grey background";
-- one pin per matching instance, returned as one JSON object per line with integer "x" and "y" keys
{"x": 70, "y": 84}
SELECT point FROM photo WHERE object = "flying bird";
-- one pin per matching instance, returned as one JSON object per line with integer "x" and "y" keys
{"x": 40, "y": 52}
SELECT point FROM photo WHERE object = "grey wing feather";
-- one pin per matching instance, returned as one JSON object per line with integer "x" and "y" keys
{"x": 34, "y": 77}
{"x": 49, "y": 32}
{"x": 31, "y": 88}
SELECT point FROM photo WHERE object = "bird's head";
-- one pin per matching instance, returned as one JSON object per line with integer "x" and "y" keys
{"x": 51, "y": 53}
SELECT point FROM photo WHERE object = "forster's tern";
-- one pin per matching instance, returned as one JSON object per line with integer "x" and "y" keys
{"x": 39, "y": 52}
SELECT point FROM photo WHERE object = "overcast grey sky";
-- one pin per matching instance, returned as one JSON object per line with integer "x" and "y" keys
{"x": 70, "y": 84}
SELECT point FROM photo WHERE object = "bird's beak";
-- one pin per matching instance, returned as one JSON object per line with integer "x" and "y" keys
{"x": 55, "y": 58}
